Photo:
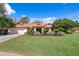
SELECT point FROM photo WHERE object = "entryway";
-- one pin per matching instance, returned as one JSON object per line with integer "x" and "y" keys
{"x": 39, "y": 30}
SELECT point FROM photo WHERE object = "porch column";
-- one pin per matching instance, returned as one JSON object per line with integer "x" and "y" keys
{"x": 50, "y": 29}
{"x": 34, "y": 29}
{"x": 42, "y": 30}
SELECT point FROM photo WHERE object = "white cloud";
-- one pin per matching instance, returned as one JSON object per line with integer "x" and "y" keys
{"x": 8, "y": 9}
{"x": 44, "y": 20}
{"x": 23, "y": 15}
{"x": 49, "y": 20}
{"x": 34, "y": 19}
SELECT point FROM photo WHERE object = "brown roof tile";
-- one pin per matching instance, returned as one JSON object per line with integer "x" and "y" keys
{"x": 31, "y": 25}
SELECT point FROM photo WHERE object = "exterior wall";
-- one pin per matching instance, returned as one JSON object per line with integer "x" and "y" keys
{"x": 17, "y": 30}
{"x": 23, "y": 30}
{"x": 42, "y": 30}
{"x": 50, "y": 29}
{"x": 34, "y": 29}
{"x": 12, "y": 31}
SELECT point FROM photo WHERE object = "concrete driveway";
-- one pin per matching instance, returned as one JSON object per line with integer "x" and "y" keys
{"x": 7, "y": 37}
{"x": 9, "y": 54}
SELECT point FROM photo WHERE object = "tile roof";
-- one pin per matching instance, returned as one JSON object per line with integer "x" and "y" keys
{"x": 31, "y": 25}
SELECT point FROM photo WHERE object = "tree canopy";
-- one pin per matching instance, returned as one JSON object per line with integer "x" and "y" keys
{"x": 37, "y": 21}
{"x": 64, "y": 23}
{"x": 24, "y": 19}
{"x": 2, "y": 9}
{"x": 6, "y": 22}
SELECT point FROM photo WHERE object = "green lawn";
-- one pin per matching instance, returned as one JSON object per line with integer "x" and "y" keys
{"x": 43, "y": 45}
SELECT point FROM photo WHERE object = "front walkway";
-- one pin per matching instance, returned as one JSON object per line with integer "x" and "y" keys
{"x": 7, "y": 37}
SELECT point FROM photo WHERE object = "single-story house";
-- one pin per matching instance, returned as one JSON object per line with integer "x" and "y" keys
{"x": 21, "y": 28}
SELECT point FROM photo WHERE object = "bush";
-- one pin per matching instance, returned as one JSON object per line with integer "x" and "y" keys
{"x": 59, "y": 33}
{"x": 50, "y": 33}
{"x": 64, "y": 23}
{"x": 46, "y": 30}
{"x": 56, "y": 31}
{"x": 37, "y": 33}
{"x": 75, "y": 29}
{"x": 68, "y": 31}
{"x": 61, "y": 29}
{"x": 30, "y": 31}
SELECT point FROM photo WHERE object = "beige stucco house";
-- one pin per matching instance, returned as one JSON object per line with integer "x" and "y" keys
{"x": 23, "y": 28}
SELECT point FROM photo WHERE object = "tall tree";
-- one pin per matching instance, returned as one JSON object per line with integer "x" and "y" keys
{"x": 24, "y": 19}
{"x": 77, "y": 23}
{"x": 6, "y": 22}
{"x": 37, "y": 21}
{"x": 2, "y": 9}
{"x": 64, "y": 23}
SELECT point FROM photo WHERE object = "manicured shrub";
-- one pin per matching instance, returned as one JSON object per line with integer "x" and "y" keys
{"x": 61, "y": 29}
{"x": 56, "y": 31}
{"x": 37, "y": 33}
{"x": 50, "y": 33}
{"x": 59, "y": 33}
{"x": 68, "y": 31}
{"x": 30, "y": 31}
{"x": 76, "y": 29}
{"x": 46, "y": 30}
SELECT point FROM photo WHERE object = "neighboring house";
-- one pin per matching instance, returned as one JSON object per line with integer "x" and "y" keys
{"x": 23, "y": 28}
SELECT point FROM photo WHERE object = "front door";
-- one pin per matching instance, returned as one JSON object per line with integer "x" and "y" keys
{"x": 39, "y": 30}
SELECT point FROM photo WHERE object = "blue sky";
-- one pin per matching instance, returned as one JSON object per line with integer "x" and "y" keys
{"x": 46, "y": 10}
